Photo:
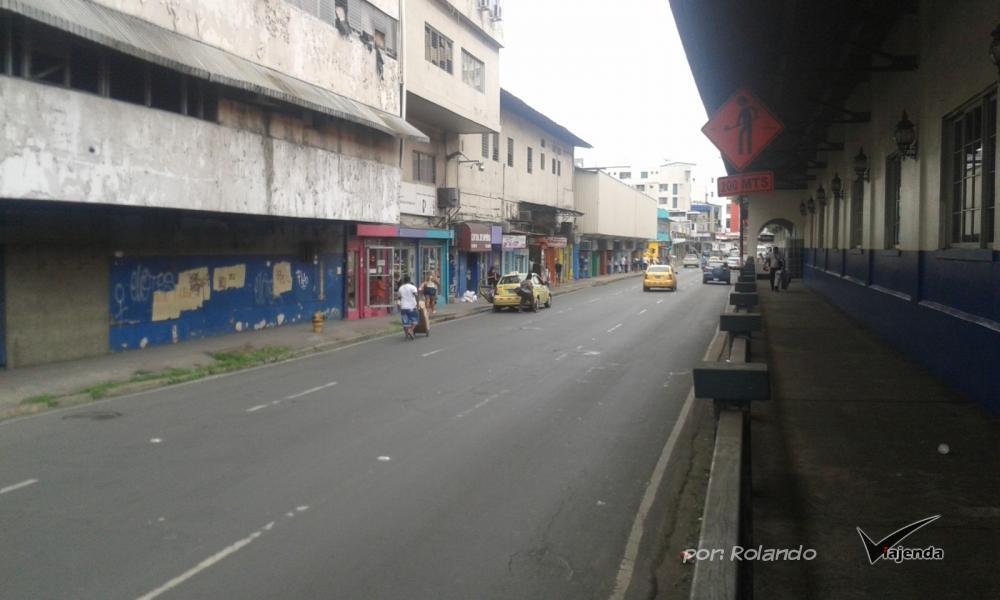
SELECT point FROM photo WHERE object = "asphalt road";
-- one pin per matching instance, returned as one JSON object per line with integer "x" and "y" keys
{"x": 505, "y": 456}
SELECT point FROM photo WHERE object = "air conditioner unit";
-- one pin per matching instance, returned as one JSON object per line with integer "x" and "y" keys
{"x": 448, "y": 198}
{"x": 497, "y": 13}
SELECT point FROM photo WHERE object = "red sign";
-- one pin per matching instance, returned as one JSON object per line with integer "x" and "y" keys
{"x": 746, "y": 183}
{"x": 742, "y": 128}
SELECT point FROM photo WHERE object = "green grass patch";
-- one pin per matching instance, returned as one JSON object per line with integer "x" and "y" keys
{"x": 224, "y": 362}
{"x": 100, "y": 390}
{"x": 46, "y": 399}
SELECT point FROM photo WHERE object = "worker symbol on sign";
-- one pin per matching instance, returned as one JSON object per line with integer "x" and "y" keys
{"x": 741, "y": 128}
{"x": 748, "y": 114}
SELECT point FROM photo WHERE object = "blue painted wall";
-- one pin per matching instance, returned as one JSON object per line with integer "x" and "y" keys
{"x": 963, "y": 349}
{"x": 135, "y": 280}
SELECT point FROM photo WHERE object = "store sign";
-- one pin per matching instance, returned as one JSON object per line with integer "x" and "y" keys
{"x": 417, "y": 199}
{"x": 515, "y": 242}
{"x": 746, "y": 183}
{"x": 554, "y": 242}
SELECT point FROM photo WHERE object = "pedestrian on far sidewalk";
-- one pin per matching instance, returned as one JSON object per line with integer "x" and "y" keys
{"x": 558, "y": 271}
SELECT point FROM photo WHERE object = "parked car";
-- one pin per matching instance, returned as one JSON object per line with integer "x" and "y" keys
{"x": 715, "y": 270}
{"x": 507, "y": 296}
{"x": 691, "y": 260}
{"x": 734, "y": 262}
{"x": 659, "y": 276}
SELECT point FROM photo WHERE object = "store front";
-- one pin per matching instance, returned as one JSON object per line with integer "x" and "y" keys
{"x": 475, "y": 255}
{"x": 380, "y": 256}
{"x": 515, "y": 254}
{"x": 552, "y": 250}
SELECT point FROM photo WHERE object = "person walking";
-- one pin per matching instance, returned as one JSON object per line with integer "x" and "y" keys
{"x": 774, "y": 264}
{"x": 407, "y": 294}
{"x": 429, "y": 288}
{"x": 558, "y": 271}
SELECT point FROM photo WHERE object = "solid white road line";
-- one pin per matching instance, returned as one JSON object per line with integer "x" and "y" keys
{"x": 17, "y": 486}
{"x": 311, "y": 390}
{"x": 432, "y": 352}
{"x": 615, "y": 327}
{"x": 642, "y": 311}
{"x": 660, "y": 301}
{"x": 627, "y": 567}
{"x": 256, "y": 408}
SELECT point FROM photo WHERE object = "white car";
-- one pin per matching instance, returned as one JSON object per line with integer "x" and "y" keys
{"x": 691, "y": 260}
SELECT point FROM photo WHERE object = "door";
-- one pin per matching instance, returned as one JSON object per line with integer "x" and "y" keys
{"x": 379, "y": 266}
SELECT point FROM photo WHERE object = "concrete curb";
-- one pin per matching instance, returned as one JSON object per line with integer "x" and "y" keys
{"x": 133, "y": 387}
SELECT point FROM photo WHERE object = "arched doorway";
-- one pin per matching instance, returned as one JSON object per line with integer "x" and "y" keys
{"x": 782, "y": 235}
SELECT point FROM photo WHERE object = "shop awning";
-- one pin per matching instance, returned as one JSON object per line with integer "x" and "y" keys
{"x": 172, "y": 50}
{"x": 475, "y": 237}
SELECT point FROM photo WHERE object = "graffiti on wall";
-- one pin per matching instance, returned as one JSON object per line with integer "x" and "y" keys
{"x": 158, "y": 300}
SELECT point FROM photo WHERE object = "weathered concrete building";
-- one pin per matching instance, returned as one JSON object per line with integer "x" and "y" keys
{"x": 175, "y": 170}
{"x": 616, "y": 223}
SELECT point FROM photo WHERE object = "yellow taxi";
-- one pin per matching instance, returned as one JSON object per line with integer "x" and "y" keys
{"x": 659, "y": 276}
{"x": 507, "y": 296}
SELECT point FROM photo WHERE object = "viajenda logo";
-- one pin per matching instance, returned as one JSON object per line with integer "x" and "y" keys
{"x": 890, "y": 549}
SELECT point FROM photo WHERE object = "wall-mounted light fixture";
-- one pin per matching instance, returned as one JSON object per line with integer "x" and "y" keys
{"x": 906, "y": 137}
{"x": 821, "y": 195}
{"x": 836, "y": 186}
{"x": 861, "y": 165}
{"x": 811, "y": 205}
{"x": 995, "y": 48}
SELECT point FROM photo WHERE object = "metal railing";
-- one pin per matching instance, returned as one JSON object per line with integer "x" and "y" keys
{"x": 731, "y": 381}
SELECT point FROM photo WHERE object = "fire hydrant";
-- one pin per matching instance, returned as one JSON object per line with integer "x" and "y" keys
{"x": 317, "y": 322}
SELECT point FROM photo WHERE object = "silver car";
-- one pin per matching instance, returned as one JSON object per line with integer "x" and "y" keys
{"x": 691, "y": 260}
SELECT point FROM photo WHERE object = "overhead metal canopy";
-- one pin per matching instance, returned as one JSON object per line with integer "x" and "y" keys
{"x": 170, "y": 49}
{"x": 803, "y": 58}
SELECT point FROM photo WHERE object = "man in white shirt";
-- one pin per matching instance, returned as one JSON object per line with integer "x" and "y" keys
{"x": 408, "y": 306}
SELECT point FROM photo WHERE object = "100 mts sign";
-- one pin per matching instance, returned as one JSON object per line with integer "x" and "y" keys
{"x": 746, "y": 183}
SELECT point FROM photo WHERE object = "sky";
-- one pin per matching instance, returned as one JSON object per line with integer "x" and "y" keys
{"x": 613, "y": 73}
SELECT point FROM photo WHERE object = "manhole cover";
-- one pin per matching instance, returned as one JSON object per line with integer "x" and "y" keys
{"x": 95, "y": 415}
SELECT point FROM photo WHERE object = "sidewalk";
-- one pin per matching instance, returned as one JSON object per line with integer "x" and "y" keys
{"x": 78, "y": 381}
{"x": 851, "y": 439}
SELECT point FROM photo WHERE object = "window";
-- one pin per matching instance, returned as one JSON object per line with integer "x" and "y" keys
{"x": 529, "y": 159}
{"x": 857, "y": 212}
{"x": 675, "y": 189}
{"x": 644, "y": 175}
{"x": 625, "y": 175}
{"x": 674, "y": 204}
{"x": 423, "y": 167}
{"x": 486, "y": 145}
{"x": 893, "y": 183}
{"x": 664, "y": 200}
{"x": 473, "y": 72}
{"x": 559, "y": 168}
{"x": 541, "y": 161}
{"x": 640, "y": 187}
{"x": 437, "y": 48}
{"x": 664, "y": 187}
{"x": 836, "y": 223}
{"x": 543, "y": 143}
{"x": 971, "y": 171}
{"x": 554, "y": 163}
{"x": 510, "y": 152}
{"x": 496, "y": 147}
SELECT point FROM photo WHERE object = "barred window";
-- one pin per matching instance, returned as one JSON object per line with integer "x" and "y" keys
{"x": 438, "y": 49}
{"x": 529, "y": 160}
{"x": 496, "y": 147}
{"x": 893, "y": 184}
{"x": 510, "y": 152}
{"x": 473, "y": 72}
{"x": 971, "y": 171}
{"x": 360, "y": 15}
{"x": 423, "y": 167}
{"x": 541, "y": 161}
{"x": 486, "y": 145}
{"x": 559, "y": 168}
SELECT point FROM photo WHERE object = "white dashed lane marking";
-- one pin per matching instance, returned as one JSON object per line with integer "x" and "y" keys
{"x": 311, "y": 390}
{"x": 17, "y": 486}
